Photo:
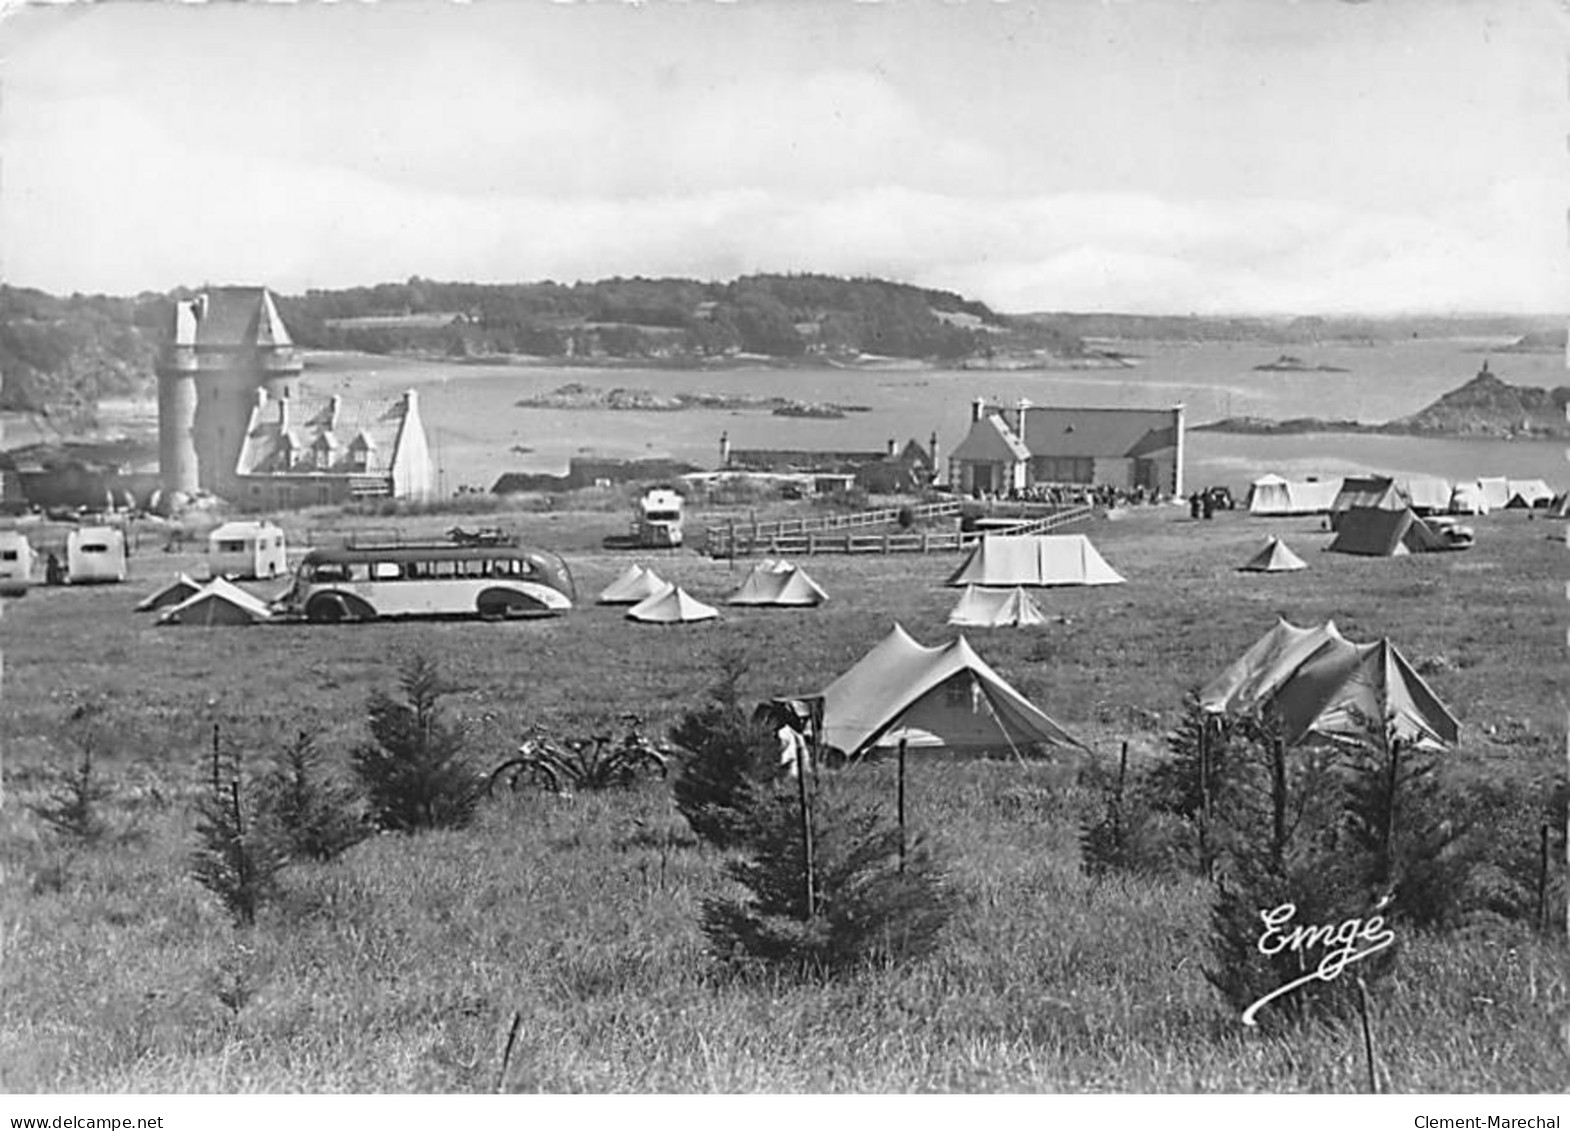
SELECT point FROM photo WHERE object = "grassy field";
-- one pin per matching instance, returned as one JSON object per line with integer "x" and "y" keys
{"x": 401, "y": 966}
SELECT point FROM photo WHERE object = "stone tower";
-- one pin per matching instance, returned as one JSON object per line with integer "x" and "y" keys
{"x": 228, "y": 342}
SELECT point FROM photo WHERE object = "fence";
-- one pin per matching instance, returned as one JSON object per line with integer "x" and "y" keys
{"x": 799, "y": 538}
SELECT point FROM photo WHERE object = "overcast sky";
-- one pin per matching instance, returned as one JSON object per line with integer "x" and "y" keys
{"x": 1158, "y": 156}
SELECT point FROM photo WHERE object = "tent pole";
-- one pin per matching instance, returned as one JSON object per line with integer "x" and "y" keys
{"x": 901, "y": 805}
{"x": 806, "y": 832}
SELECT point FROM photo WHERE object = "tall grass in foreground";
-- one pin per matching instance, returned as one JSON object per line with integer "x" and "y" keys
{"x": 400, "y": 966}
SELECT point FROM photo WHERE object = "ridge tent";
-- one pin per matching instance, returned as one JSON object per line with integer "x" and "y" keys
{"x": 789, "y": 586}
{"x": 219, "y": 602}
{"x": 1527, "y": 493}
{"x": 1318, "y": 683}
{"x": 182, "y": 587}
{"x": 1495, "y": 492}
{"x": 1273, "y": 496}
{"x": 945, "y": 698}
{"x": 1374, "y": 532}
{"x": 1467, "y": 498}
{"x": 1256, "y": 675}
{"x": 996, "y": 608}
{"x": 1364, "y": 492}
{"x": 1034, "y": 560}
{"x": 1428, "y": 494}
{"x": 674, "y": 606}
{"x": 635, "y": 584}
{"x": 1275, "y": 557}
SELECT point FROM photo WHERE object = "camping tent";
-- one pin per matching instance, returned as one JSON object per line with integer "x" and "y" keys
{"x": 1256, "y": 675}
{"x": 996, "y": 608}
{"x": 673, "y": 606}
{"x": 1376, "y": 532}
{"x": 1428, "y": 494}
{"x": 1528, "y": 493}
{"x": 770, "y": 586}
{"x": 1467, "y": 498}
{"x": 1362, "y": 492}
{"x": 634, "y": 585}
{"x": 176, "y": 591}
{"x": 1274, "y": 496}
{"x": 1495, "y": 492}
{"x": 932, "y": 698}
{"x": 1318, "y": 683}
{"x": 219, "y": 602}
{"x": 1034, "y": 559}
{"x": 1275, "y": 557}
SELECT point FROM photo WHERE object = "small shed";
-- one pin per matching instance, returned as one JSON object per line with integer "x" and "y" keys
{"x": 16, "y": 558}
{"x": 247, "y": 549}
{"x": 95, "y": 555}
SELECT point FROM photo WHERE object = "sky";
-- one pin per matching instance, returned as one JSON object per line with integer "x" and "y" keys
{"x": 1154, "y": 156}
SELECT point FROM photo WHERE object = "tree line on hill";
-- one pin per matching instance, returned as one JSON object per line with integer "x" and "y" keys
{"x": 60, "y": 355}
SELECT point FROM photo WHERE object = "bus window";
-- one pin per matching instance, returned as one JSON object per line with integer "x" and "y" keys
{"x": 384, "y": 571}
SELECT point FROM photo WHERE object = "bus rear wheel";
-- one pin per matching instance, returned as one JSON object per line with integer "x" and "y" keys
{"x": 327, "y": 610}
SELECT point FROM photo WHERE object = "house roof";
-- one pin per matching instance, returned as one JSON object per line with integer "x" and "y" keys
{"x": 990, "y": 440}
{"x": 1067, "y": 432}
{"x": 233, "y": 317}
{"x": 322, "y": 423}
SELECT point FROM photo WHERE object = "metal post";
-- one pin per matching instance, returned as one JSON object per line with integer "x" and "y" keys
{"x": 900, "y": 805}
{"x": 806, "y": 833}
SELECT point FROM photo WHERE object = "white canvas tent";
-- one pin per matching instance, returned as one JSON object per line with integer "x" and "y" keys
{"x": 769, "y": 586}
{"x": 1528, "y": 493}
{"x": 1034, "y": 560}
{"x": 1467, "y": 498}
{"x": 635, "y": 584}
{"x": 1274, "y": 557}
{"x": 181, "y": 588}
{"x": 674, "y": 606}
{"x": 1428, "y": 494}
{"x": 1273, "y": 496}
{"x": 219, "y": 602}
{"x": 945, "y": 698}
{"x": 1495, "y": 492}
{"x": 996, "y": 608}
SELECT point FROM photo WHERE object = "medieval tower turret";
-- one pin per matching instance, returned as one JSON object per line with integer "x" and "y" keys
{"x": 228, "y": 343}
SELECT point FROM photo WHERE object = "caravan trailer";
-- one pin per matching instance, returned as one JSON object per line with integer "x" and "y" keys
{"x": 16, "y": 560}
{"x": 247, "y": 549}
{"x": 95, "y": 555}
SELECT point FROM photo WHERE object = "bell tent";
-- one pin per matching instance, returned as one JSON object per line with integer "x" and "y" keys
{"x": 1376, "y": 532}
{"x": 674, "y": 606}
{"x": 219, "y": 602}
{"x": 788, "y": 587}
{"x": 946, "y": 698}
{"x": 996, "y": 608}
{"x": 1034, "y": 560}
{"x": 1274, "y": 557}
{"x": 181, "y": 588}
{"x": 635, "y": 584}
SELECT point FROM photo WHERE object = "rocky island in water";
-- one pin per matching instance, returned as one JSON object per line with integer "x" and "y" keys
{"x": 577, "y": 396}
{"x": 1286, "y": 363}
{"x": 1483, "y": 408}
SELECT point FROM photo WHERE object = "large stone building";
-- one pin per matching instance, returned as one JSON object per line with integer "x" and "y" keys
{"x": 234, "y": 421}
{"x": 1030, "y": 446}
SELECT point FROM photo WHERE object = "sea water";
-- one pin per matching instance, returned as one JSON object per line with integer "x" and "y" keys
{"x": 478, "y": 431}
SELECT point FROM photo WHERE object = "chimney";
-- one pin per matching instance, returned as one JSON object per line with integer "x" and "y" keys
{"x": 932, "y": 450}
{"x": 1020, "y": 408}
{"x": 283, "y": 413}
{"x": 333, "y": 405}
{"x": 724, "y": 449}
{"x": 977, "y": 409}
{"x": 893, "y": 449}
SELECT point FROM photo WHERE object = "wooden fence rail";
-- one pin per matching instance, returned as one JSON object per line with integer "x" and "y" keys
{"x": 748, "y": 539}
